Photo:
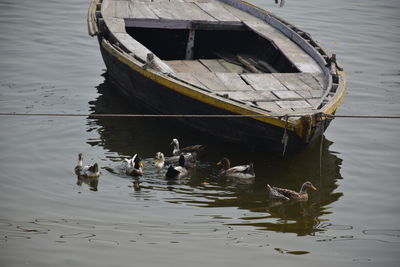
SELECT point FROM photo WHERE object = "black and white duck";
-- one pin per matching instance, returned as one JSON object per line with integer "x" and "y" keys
{"x": 134, "y": 166}
{"x": 177, "y": 172}
{"x": 88, "y": 171}
{"x": 241, "y": 172}
{"x": 189, "y": 149}
{"x": 284, "y": 194}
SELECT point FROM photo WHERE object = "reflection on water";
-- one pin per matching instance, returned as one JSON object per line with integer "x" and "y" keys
{"x": 92, "y": 182}
{"x": 128, "y": 136}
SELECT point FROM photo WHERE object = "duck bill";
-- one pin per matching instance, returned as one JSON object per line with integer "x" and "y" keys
{"x": 219, "y": 163}
{"x": 313, "y": 188}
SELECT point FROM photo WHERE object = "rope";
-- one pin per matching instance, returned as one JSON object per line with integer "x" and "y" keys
{"x": 96, "y": 115}
{"x": 285, "y": 136}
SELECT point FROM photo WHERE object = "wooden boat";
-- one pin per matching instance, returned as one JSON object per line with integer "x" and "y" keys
{"x": 223, "y": 58}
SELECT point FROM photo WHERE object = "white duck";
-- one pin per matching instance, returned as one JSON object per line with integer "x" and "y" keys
{"x": 159, "y": 160}
{"x": 189, "y": 149}
{"x": 88, "y": 171}
{"x": 241, "y": 172}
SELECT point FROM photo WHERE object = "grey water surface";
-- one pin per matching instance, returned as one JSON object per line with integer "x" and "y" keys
{"x": 48, "y": 64}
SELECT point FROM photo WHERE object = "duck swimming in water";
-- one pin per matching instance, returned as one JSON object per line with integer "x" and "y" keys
{"x": 134, "y": 166}
{"x": 283, "y": 194}
{"x": 88, "y": 171}
{"x": 241, "y": 172}
{"x": 189, "y": 149}
{"x": 159, "y": 160}
{"x": 177, "y": 172}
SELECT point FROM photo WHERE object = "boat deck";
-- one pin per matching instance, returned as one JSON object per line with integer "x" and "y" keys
{"x": 274, "y": 91}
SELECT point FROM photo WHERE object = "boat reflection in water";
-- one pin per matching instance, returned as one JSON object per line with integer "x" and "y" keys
{"x": 126, "y": 136}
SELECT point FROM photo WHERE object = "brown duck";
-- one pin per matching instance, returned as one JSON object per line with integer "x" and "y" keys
{"x": 283, "y": 194}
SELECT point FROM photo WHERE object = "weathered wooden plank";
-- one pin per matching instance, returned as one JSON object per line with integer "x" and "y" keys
{"x": 248, "y": 64}
{"x": 265, "y": 30}
{"x": 182, "y": 24}
{"x": 187, "y": 66}
{"x": 233, "y": 68}
{"x": 188, "y": 77}
{"x": 287, "y": 94}
{"x": 140, "y": 10}
{"x": 233, "y": 81}
{"x": 108, "y": 9}
{"x": 303, "y": 61}
{"x": 291, "y": 81}
{"x": 216, "y": 11}
{"x": 178, "y": 10}
{"x": 307, "y": 67}
{"x": 293, "y": 104}
{"x": 177, "y": 65}
{"x": 210, "y": 80}
{"x": 160, "y": 10}
{"x": 264, "y": 81}
{"x": 116, "y": 25}
{"x": 169, "y": 1}
{"x": 241, "y": 15}
{"x": 213, "y": 65}
{"x": 270, "y": 106}
{"x": 195, "y": 66}
{"x": 250, "y": 96}
{"x": 302, "y": 110}
{"x": 157, "y": 23}
{"x": 267, "y": 66}
{"x": 132, "y": 45}
{"x": 315, "y": 81}
{"x": 122, "y": 9}
{"x": 314, "y": 102}
{"x": 310, "y": 93}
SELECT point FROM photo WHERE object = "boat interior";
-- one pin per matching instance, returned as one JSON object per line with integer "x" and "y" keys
{"x": 233, "y": 47}
{"x": 219, "y": 48}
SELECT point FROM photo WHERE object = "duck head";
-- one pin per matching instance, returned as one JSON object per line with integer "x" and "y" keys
{"x": 159, "y": 156}
{"x": 175, "y": 144}
{"x": 138, "y": 162}
{"x": 80, "y": 159}
{"x": 307, "y": 185}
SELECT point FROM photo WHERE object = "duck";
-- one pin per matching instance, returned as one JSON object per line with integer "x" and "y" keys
{"x": 174, "y": 160}
{"x": 88, "y": 171}
{"x": 134, "y": 166}
{"x": 159, "y": 160}
{"x": 177, "y": 151}
{"x": 241, "y": 172}
{"x": 190, "y": 160}
{"x": 283, "y": 194}
{"x": 177, "y": 172}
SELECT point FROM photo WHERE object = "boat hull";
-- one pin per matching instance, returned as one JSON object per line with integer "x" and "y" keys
{"x": 160, "y": 99}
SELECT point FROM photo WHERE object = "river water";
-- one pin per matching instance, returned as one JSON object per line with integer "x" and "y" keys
{"x": 49, "y": 218}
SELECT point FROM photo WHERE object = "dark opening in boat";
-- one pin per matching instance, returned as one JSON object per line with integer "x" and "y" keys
{"x": 171, "y": 42}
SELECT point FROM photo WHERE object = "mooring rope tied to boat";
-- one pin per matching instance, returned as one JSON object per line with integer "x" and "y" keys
{"x": 100, "y": 115}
